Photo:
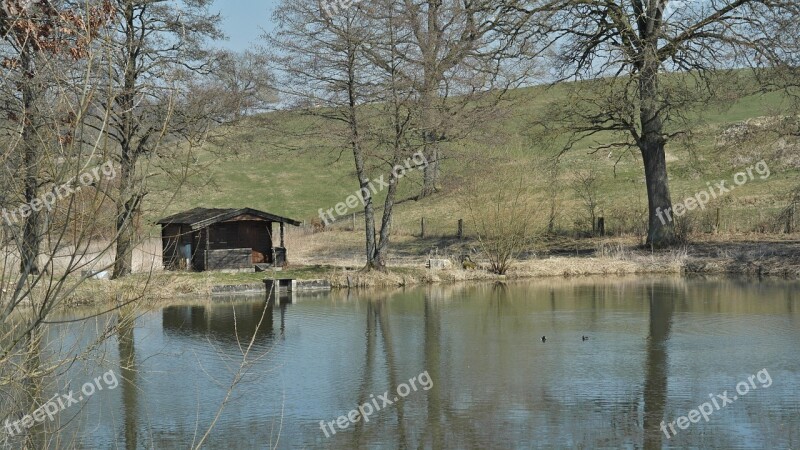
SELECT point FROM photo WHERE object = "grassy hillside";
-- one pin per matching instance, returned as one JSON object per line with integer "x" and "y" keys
{"x": 294, "y": 165}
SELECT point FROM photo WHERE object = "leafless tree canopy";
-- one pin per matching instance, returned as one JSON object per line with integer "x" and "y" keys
{"x": 623, "y": 48}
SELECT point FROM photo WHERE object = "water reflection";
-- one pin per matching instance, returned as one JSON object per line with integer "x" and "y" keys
{"x": 661, "y": 299}
{"x": 128, "y": 370}
{"x": 227, "y": 323}
{"x": 657, "y": 348}
{"x": 432, "y": 325}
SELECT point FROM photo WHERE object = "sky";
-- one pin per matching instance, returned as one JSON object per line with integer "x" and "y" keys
{"x": 243, "y": 21}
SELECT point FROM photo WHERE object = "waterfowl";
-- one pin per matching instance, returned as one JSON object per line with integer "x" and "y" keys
{"x": 584, "y": 338}
{"x": 544, "y": 339}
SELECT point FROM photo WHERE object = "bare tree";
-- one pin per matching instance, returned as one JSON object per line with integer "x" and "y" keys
{"x": 625, "y": 47}
{"x": 505, "y": 217}
{"x": 31, "y": 32}
{"x": 321, "y": 71}
{"x": 394, "y": 133}
{"x": 156, "y": 44}
{"x": 56, "y": 170}
{"x": 585, "y": 185}
{"x": 459, "y": 59}
{"x": 424, "y": 81}
{"x": 240, "y": 84}
{"x": 324, "y": 69}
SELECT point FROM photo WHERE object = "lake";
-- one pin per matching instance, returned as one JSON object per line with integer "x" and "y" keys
{"x": 669, "y": 362}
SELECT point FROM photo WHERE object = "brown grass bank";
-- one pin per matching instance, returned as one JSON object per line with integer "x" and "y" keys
{"x": 742, "y": 254}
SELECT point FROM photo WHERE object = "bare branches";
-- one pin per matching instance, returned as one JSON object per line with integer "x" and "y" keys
{"x": 636, "y": 41}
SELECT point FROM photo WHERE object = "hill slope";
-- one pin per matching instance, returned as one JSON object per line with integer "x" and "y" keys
{"x": 282, "y": 162}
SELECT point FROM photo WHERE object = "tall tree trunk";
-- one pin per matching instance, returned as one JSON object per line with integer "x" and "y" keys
{"x": 369, "y": 216}
{"x": 431, "y": 171}
{"x": 123, "y": 264}
{"x": 388, "y": 205}
{"x": 128, "y": 200}
{"x": 430, "y": 139}
{"x": 660, "y": 233}
{"x": 379, "y": 260}
{"x": 358, "y": 155}
{"x": 369, "y": 208}
{"x": 31, "y": 237}
{"x": 127, "y": 205}
{"x": 430, "y": 49}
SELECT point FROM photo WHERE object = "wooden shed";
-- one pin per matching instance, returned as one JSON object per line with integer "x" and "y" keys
{"x": 214, "y": 239}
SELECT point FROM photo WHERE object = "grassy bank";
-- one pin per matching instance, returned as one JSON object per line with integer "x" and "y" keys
{"x": 732, "y": 254}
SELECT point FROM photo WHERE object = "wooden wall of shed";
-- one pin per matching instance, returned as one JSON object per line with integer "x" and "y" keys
{"x": 199, "y": 247}
{"x": 229, "y": 258}
{"x": 252, "y": 234}
{"x": 239, "y": 233}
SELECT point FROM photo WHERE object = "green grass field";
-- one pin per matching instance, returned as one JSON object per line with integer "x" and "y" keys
{"x": 294, "y": 165}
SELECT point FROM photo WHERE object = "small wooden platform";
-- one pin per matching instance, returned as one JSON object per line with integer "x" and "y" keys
{"x": 276, "y": 286}
{"x": 290, "y": 284}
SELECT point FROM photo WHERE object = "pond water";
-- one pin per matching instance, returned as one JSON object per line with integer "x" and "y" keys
{"x": 658, "y": 348}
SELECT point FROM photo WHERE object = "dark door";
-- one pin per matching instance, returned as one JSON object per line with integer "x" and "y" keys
{"x": 198, "y": 247}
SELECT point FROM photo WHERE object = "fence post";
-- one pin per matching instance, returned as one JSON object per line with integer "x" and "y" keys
{"x": 422, "y": 228}
{"x": 461, "y": 228}
{"x": 601, "y": 226}
{"x": 354, "y": 221}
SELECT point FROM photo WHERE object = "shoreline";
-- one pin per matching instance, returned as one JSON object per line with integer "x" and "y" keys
{"x": 749, "y": 259}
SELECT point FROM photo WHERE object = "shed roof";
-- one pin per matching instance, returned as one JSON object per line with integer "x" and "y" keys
{"x": 202, "y": 217}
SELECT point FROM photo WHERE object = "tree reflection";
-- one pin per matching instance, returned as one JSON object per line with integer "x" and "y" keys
{"x": 366, "y": 378}
{"x": 661, "y": 298}
{"x": 128, "y": 371}
{"x": 378, "y": 320}
{"x": 432, "y": 330}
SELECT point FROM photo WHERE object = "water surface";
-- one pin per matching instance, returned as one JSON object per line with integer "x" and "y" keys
{"x": 657, "y": 348}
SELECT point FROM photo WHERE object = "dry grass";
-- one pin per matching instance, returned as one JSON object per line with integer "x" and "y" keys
{"x": 337, "y": 257}
{"x": 560, "y": 257}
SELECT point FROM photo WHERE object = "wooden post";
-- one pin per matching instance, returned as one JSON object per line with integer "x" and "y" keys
{"x": 354, "y": 221}
{"x": 282, "y": 232}
{"x": 422, "y": 228}
{"x": 461, "y": 228}
{"x": 789, "y": 219}
{"x": 716, "y": 223}
{"x": 601, "y": 226}
{"x": 208, "y": 247}
{"x": 271, "y": 242}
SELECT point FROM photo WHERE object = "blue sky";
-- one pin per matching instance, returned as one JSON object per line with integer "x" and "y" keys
{"x": 244, "y": 21}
